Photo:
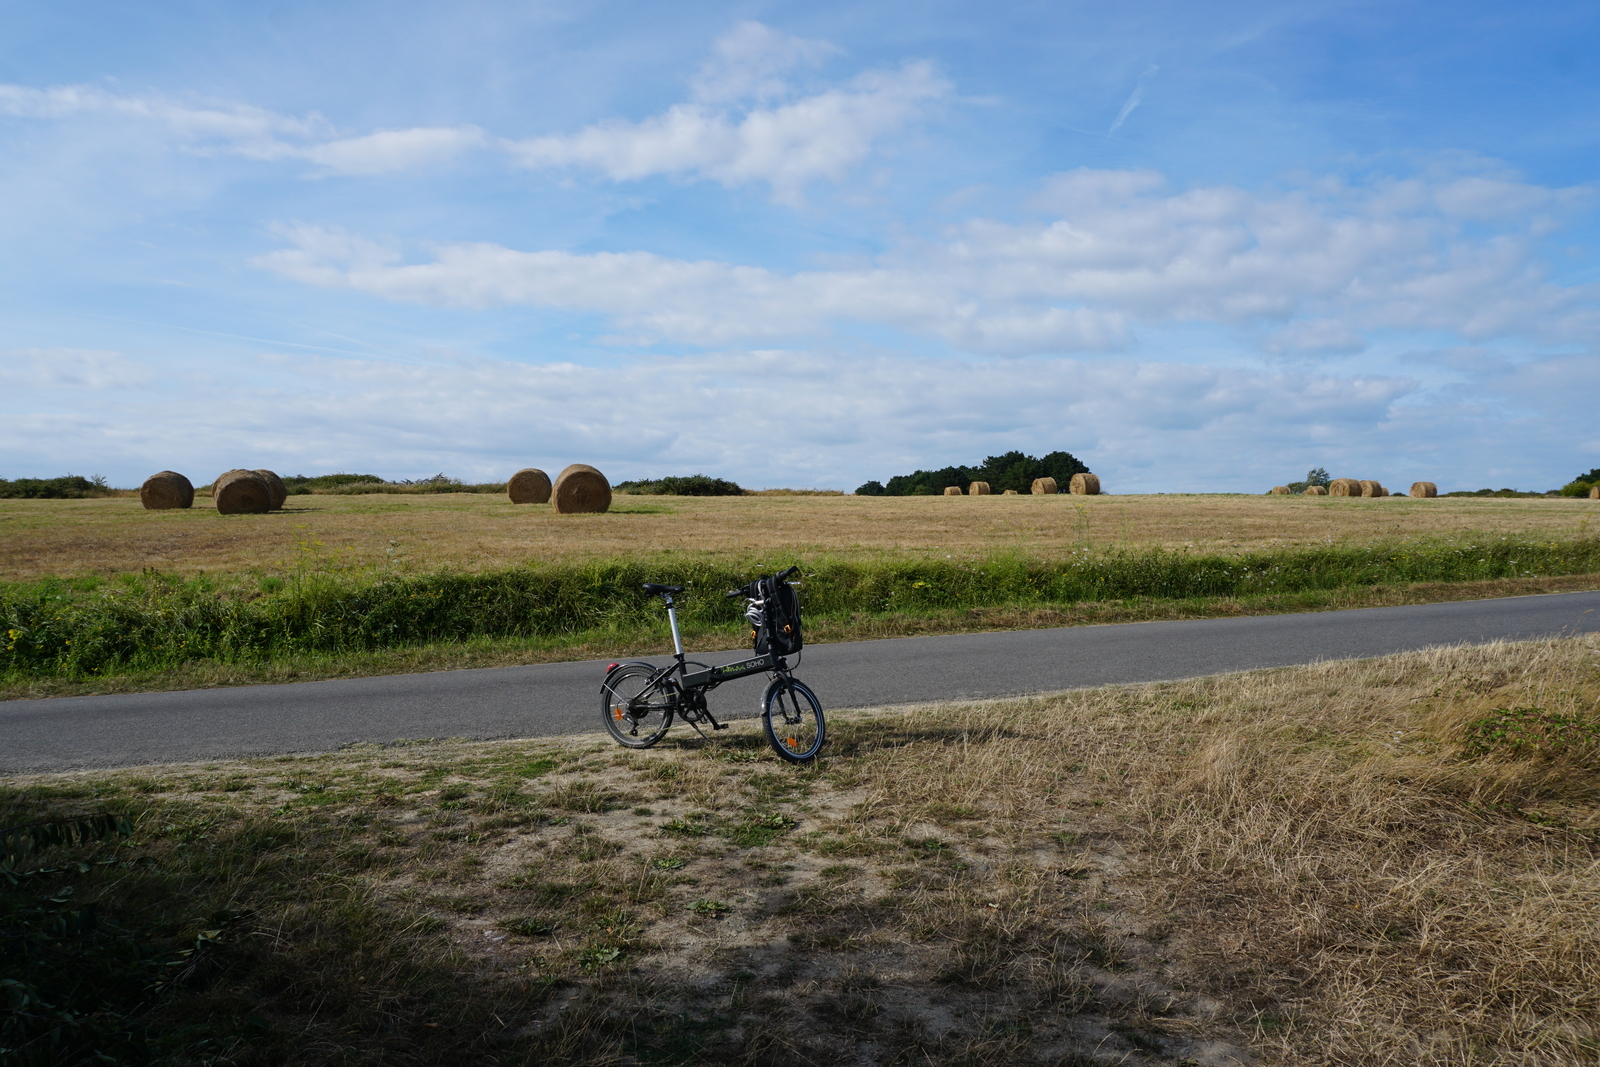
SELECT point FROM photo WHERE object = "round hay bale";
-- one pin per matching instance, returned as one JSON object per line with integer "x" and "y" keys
{"x": 1344, "y": 487}
{"x": 530, "y": 485}
{"x": 280, "y": 492}
{"x": 1279, "y": 490}
{"x": 580, "y": 489}
{"x": 1370, "y": 487}
{"x": 166, "y": 489}
{"x": 1315, "y": 490}
{"x": 1085, "y": 484}
{"x": 1044, "y": 486}
{"x": 240, "y": 492}
{"x": 1594, "y": 492}
{"x": 1424, "y": 489}
{"x": 1009, "y": 492}
{"x": 953, "y": 490}
{"x": 978, "y": 489}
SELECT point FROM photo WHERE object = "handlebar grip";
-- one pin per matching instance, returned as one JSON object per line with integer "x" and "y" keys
{"x": 785, "y": 575}
{"x": 730, "y": 594}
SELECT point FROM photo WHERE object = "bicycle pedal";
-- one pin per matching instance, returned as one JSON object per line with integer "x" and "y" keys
{"x": 719, "y": 726}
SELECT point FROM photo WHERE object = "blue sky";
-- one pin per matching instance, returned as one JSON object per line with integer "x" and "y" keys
{"x": 1202, "y": 247}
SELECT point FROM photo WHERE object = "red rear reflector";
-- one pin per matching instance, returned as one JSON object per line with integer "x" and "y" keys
{"x": 611, "y": 668}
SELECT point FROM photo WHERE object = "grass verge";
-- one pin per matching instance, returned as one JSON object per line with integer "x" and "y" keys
{"x": 83, "y": 628}
{"x": 1389, "y": 860}
{"x": 648, "y": 640}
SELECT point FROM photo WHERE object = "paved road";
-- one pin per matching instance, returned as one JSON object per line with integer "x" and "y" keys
{"x": 561, "y": 698}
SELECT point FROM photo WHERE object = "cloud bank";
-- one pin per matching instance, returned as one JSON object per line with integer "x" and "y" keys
{"x": 1318, "y": 267}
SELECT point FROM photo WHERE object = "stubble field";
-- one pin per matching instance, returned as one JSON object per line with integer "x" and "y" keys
{"x": 477, "y": 532}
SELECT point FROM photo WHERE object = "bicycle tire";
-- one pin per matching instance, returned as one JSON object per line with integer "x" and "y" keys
{"x": 636, "y": 705}
{"x": 792, "y": 718}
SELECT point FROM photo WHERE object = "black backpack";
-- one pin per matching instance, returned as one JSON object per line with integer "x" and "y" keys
{"x": 778, "y": 632}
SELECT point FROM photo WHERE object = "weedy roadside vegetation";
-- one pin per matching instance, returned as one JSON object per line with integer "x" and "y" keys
{"x": 153, "y": 622}
{"x": 1379, "y": 861}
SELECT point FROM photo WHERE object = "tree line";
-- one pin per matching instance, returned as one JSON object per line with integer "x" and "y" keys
{"x": 1013, "y": 470}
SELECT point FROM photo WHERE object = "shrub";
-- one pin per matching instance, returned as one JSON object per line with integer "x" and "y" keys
{"x": 1581, "y": 485}
{"x": 69, "y": 487}
{"x": 692, "y": 485}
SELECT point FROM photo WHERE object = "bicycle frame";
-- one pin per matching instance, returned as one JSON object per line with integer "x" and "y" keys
{"x": 695, "y": 684}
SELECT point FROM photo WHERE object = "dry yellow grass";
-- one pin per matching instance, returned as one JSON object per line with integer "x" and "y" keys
{"x": 1323, "y": 865}
{"x": 485, "y": 531}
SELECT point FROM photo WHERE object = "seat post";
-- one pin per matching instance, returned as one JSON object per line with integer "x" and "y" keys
{"x": 672, "y": 618}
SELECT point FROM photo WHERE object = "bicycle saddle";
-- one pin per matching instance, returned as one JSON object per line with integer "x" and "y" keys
{"x": 656, "y": 590}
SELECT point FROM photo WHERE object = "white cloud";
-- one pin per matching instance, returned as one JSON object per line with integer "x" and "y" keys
{"x": 856, "y": 416}
{"x": 1316, "y": 337}
{"x": 784, "y": 140}
{"x": 749, "y": 60}
{"x": 788, "y": 145}
{"x": 702, "y": 302}
{"x": 1317, "y": 271}
{"x": 392, "y": 150}
{"x": 251, "y": 132}
{"x": 71, "y": 369}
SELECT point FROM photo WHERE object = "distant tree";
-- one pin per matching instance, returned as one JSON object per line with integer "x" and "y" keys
{"x": 929, "y": 483}
{"x": 1318, "y": 476}
{"x": 1011, "y": 470}
{"x": 1062, "y": 466}
{"x": 1581, "y": 485}
{"x": 870, "y": 489}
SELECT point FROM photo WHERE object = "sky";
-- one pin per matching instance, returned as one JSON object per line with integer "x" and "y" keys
{"x": 1204, "y": 248}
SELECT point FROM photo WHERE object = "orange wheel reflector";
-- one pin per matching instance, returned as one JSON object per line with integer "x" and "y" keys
{"x": 794, "y": 742}
{"x": 616, "y": 713}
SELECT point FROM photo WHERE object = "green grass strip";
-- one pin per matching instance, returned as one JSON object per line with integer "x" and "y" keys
{"x": 82, "y": 628}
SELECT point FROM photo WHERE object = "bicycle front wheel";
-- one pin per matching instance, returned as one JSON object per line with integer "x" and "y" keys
{"x": 792, "y": 718}
{"x": 637, "y": 705}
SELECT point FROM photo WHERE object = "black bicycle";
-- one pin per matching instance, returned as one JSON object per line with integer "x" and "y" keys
{"x": 639, "y": 700}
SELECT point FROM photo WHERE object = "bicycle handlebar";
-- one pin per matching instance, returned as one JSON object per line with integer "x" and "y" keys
{"x": 749, "y": 590}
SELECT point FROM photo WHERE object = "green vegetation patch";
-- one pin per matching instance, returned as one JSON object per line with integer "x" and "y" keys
{"x": 68, "y": 487}
{"x": 693, "y": 485}
{"x": 155, "y": 621}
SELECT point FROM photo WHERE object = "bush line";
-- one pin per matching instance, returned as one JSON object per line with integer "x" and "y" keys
{"x": 156, "y": 621}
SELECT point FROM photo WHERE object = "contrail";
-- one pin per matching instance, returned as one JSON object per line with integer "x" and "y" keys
{"x": 1133, "y": 99}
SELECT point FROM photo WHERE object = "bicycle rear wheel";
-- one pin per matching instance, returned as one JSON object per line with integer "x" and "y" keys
{"x": 636, "y": 706}
{"x": 792, "y": 718}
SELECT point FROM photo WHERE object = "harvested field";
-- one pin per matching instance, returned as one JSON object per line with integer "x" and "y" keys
{"x": 1381, "y": 861}
{"x": 40, "y": 538}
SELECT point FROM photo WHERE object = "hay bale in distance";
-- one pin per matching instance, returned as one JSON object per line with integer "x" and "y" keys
{"x": 978, "y": 489}
{"x": 1315, "y": 490}
{"x": 953, "y": 490}
{"x": 1279, "y": 490}
{"x": 1009, "y": 492}
{"x": 1424, "y": 489}
{"x": 240, "y": 492}
{"x": 1594, "y": 492}
{"x": 1370, "y": 488}
{"x": 580, "y": 489}
{"x": 530, "y": 485}
{"x": 1344, "y": 487}
{"x": 280, "y": 492}
{"x": 166, "y": 489}
{"x": 1085, "y": 484}
{"x": 1044, "y": 486}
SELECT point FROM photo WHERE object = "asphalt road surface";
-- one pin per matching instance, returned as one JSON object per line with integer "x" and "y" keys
{"x": 562, "y": 698}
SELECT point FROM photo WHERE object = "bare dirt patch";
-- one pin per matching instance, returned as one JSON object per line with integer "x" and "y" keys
{"x": 1383, "y": 861}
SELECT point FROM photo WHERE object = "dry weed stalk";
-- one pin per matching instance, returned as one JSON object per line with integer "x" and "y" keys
{"x": 1347, "y": 861}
